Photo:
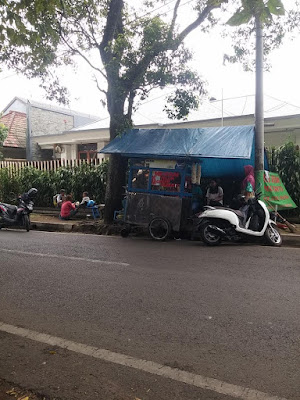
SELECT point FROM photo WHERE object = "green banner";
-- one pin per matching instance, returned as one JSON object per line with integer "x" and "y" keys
{"x": 274, "y": 192}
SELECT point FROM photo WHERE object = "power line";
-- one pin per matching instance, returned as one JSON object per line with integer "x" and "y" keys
{"x": 152, "y": 11}
{"x": 285, "y": 102}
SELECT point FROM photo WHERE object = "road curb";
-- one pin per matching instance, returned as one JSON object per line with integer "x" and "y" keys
{"x": 288, "y": 239}
{"x": 67, "y": 227}
{"x": 50, "y": 227}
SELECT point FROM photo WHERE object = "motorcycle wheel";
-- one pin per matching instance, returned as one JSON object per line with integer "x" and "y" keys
{"x": 209, "y": 238}
{"x": 26, "y": 222}
{"x": 273, "y": 237}
{"x": 159, "y": 228}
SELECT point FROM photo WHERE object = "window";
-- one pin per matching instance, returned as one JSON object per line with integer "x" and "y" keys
{"x": 87, "y": 151}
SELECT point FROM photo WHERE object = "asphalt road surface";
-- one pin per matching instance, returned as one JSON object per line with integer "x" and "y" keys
{"x": 92, "y": 317}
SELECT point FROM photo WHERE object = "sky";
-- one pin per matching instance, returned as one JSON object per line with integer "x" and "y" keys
{"x": 281, "y": 84}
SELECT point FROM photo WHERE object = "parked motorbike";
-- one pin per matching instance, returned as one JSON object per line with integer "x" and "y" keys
{"x": 11, "y": 215}
{"x": 251, "y": 222}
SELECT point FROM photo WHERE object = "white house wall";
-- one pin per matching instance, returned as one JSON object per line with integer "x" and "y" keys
{"x": 17, "y": 105}
{"x": 277, "y": 132}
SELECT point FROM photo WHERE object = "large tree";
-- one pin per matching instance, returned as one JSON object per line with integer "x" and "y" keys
{"x": 133, "y": 49}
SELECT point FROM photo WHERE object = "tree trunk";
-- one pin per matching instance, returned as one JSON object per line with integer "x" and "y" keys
{"x": 117, "y": 164}
{"x": 114, "y": 189}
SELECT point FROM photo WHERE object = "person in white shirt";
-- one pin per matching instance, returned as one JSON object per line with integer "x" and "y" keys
{"x": 214, "y": 194}
{"x": 85, "y": 199}
{"x": 61, "y": 197}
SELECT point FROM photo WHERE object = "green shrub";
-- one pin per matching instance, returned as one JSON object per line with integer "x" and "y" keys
{"x": 9, "y": 185}
{"x": 74, "y": 180}
{"x": 286, "y": 162}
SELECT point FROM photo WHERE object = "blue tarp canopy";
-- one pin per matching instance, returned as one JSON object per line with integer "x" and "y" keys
{"x": 222, "y": 142}
{"x": 222, "y": 151}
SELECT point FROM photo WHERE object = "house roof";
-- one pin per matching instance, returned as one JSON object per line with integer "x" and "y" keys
{"x": 209, "y": 111}
{"x": 16, "y": 123}
{"x": 82, "y": 117}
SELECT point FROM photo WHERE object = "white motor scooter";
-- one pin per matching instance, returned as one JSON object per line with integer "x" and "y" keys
{"x": 219, "y": 223}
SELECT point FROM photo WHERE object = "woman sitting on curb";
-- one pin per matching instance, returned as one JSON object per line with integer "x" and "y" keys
{"x": 68, "y": 209}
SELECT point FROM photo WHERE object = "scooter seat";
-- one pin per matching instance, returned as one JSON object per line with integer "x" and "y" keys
{"x": 11, "y": 209}
{"x": 239, "y": 213}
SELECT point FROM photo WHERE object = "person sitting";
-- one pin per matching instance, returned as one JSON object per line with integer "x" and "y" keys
{"x": 85, "y": 199}
{"x": 68, "y": 209}
{"x": 214, "y": 194}
{"x": 59, "y": 198}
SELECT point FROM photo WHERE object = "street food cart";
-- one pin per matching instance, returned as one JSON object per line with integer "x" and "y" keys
{"x": 166, "y": 167}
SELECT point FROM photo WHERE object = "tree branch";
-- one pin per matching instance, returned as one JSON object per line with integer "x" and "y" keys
{"x": 91, "y": 25}
{"x": 202, "y": 16}
{"x": 143, "y": 64}
{"x": 98, "y": 86}
{"x": 130, "y": 103}
{"x": 112, "y": 21}
{"x": 74, "y": 50}
{"x": 174, "y": 18}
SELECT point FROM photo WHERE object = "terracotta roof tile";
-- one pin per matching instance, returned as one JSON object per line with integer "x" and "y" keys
{"x": 16, "y": 123}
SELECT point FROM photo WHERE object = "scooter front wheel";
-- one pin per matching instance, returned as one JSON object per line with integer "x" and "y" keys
{"x": 26, "y": 222}
{"x": 208, "y": 237}
{"x": 272, "y": 236}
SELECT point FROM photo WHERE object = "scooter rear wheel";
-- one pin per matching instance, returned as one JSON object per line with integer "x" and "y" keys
{"x": 273, "y": 237}
{"x": 209, "y": 238}
{"x": 26, "y": 222}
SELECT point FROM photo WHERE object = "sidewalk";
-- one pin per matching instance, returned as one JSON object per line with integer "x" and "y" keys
{"x": 52, "y": 223}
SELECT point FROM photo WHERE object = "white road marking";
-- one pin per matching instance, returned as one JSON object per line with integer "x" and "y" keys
{"x": 175, "y": 374}
{"x": 61, "y": 257}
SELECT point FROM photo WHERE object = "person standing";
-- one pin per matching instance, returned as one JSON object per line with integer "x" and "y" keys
{"x": 248, "y": 184}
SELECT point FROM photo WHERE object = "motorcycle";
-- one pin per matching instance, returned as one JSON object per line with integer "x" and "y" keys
{"x": 250, "y": 222}
{"x": 11, "y": 215}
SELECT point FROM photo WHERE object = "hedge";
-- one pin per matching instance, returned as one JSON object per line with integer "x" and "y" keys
{"x": 285, "y": 160}
{"x": 74, "y": 180}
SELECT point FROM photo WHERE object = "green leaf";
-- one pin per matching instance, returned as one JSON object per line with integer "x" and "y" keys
{"x": 276, "y": 7}
{"x": 239, "y": 18}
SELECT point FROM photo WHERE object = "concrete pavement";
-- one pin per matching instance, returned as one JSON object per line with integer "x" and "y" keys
{"x": 230, "y": 313}
{"x": 51, "y": 223}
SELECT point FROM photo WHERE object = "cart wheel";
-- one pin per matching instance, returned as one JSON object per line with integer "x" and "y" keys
{"x": 159, "y": 228}
{"x": 125, "y": 232}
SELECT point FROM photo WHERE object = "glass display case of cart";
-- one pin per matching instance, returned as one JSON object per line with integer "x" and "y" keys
{"x": 163, "y": 177}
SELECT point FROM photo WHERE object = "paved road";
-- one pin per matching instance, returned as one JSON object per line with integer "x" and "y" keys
{"x": 230, "y": 313}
